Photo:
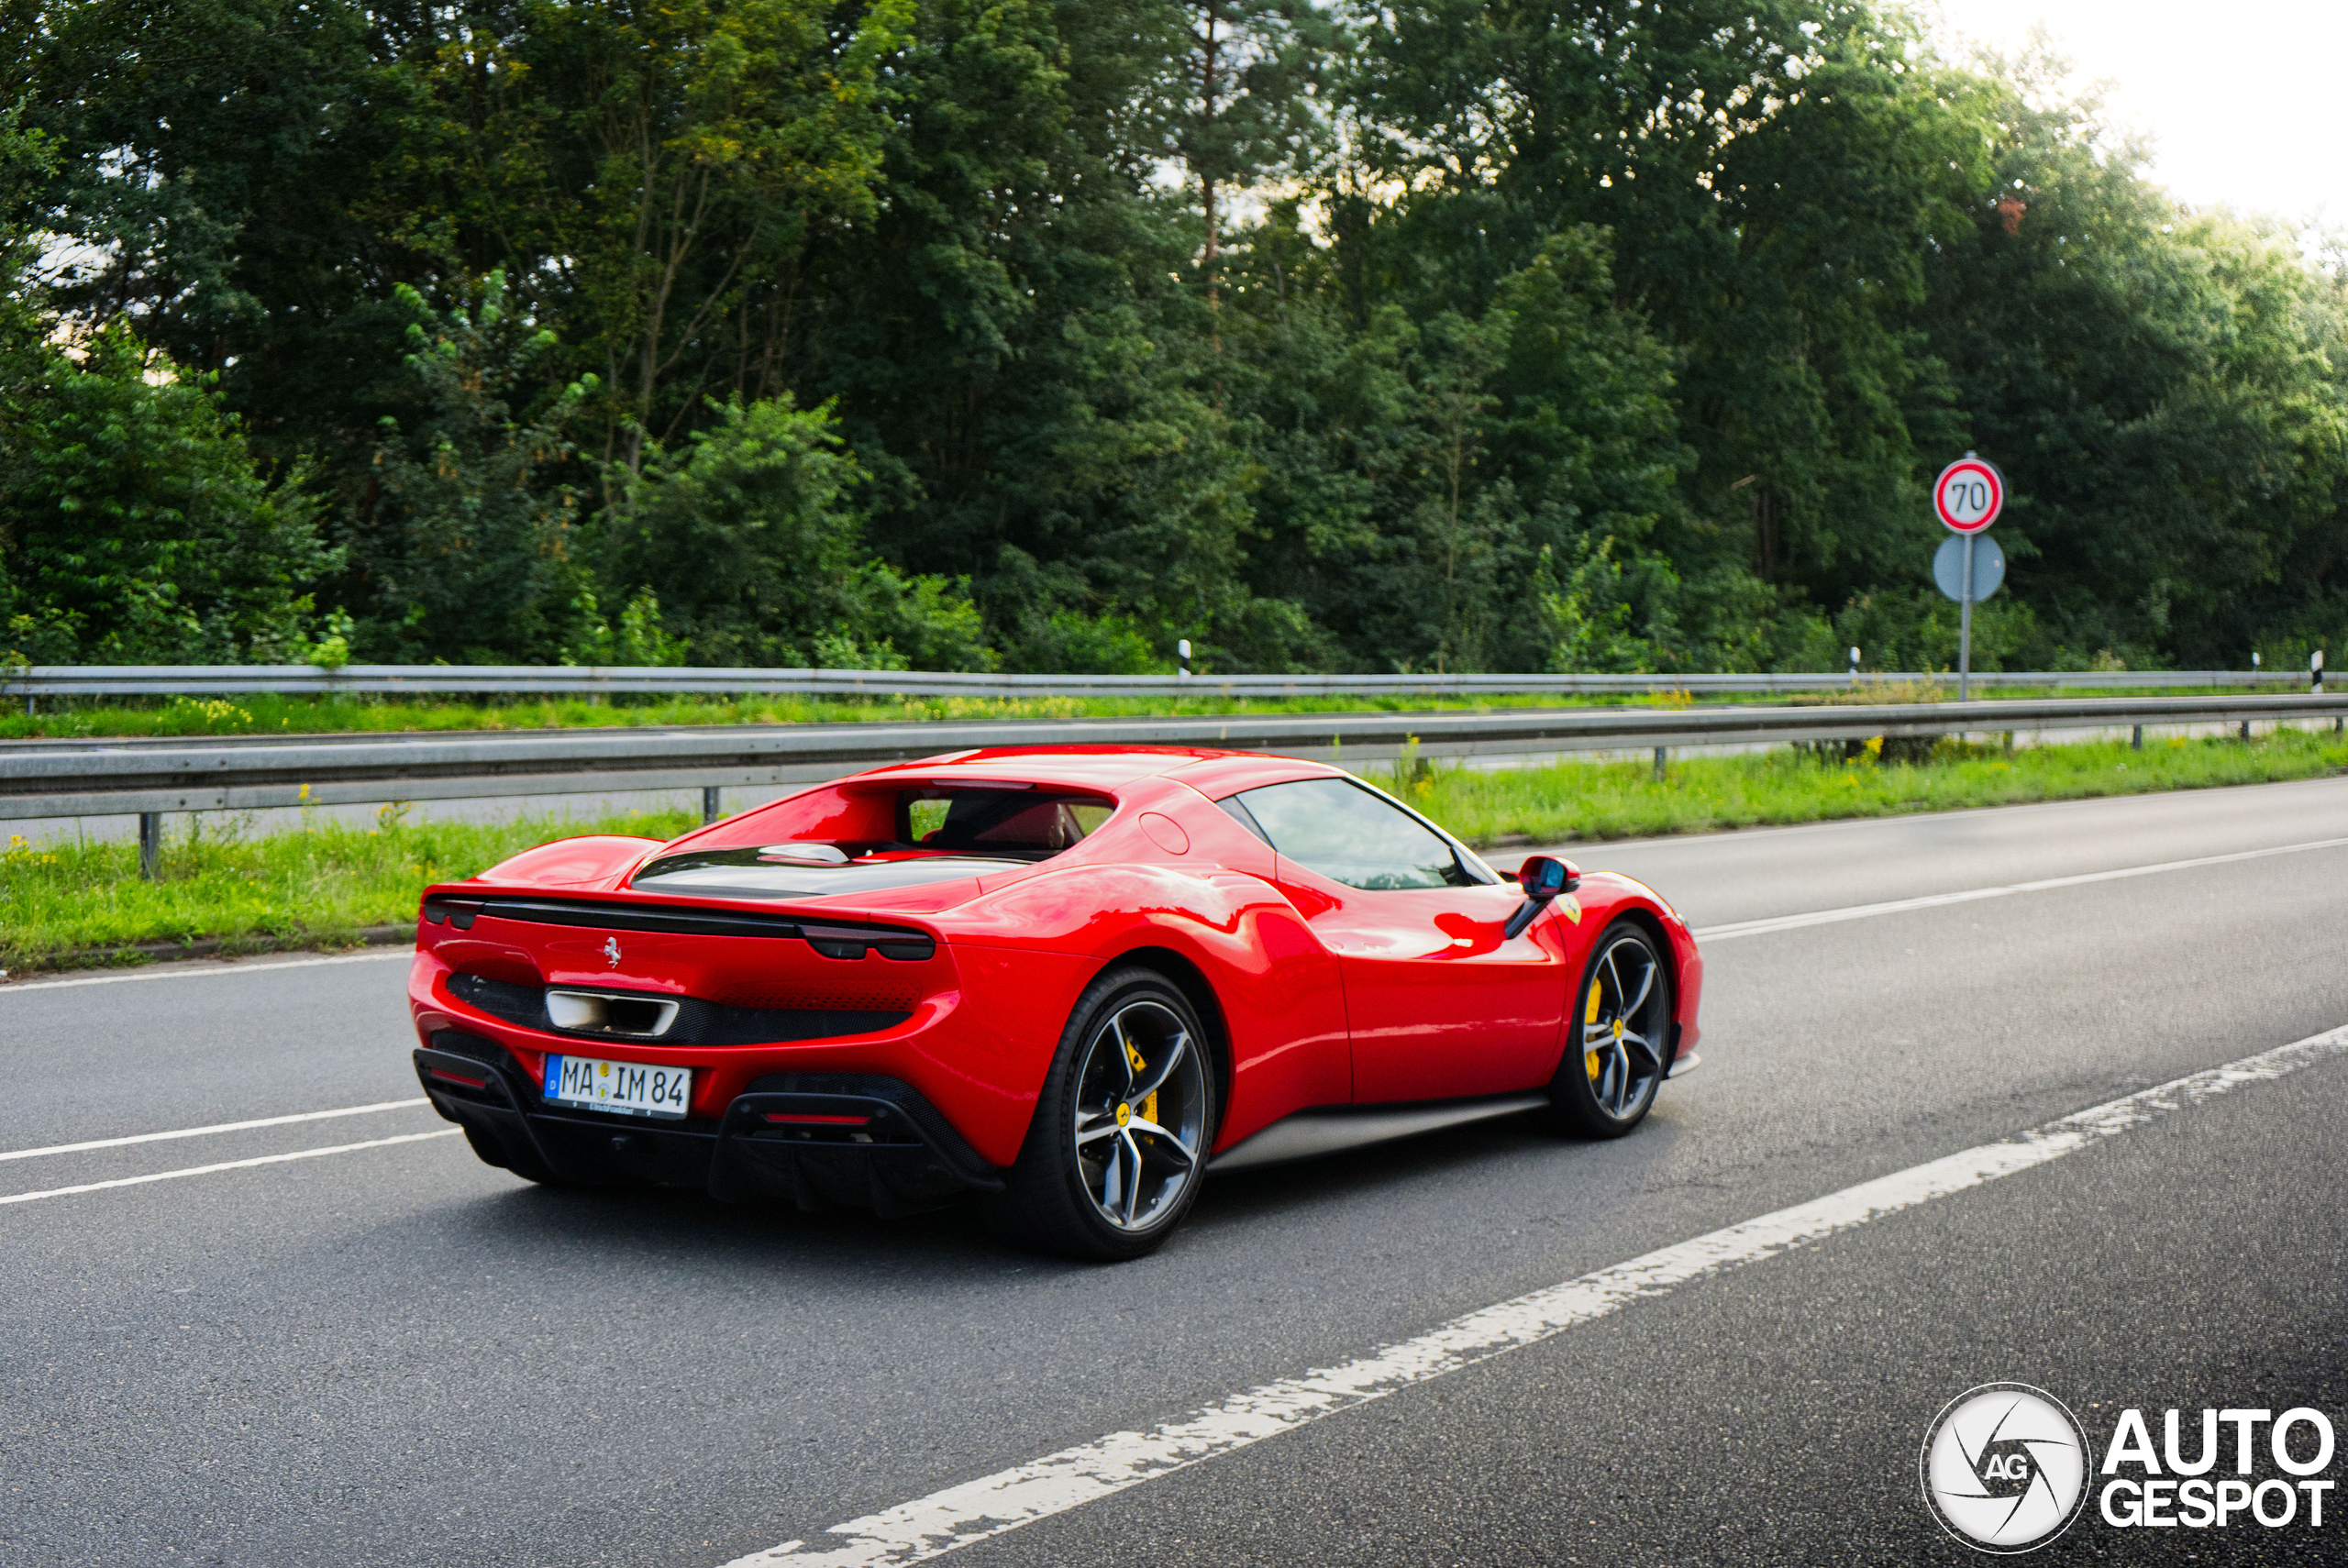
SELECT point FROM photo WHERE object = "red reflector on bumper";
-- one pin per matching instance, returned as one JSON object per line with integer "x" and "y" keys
{"x": 461, "y": 1078}
{"x": 828, "y": 1121}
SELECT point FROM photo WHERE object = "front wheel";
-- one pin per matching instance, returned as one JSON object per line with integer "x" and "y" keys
{"x": 1114, "y": 1155}
{"x": 1622, "y": 1025}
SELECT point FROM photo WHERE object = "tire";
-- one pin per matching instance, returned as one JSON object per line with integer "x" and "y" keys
{"x": 493, "y": 1151}
{"x": 1116, "y": 1151}
{"x": 1620, "y": 1026}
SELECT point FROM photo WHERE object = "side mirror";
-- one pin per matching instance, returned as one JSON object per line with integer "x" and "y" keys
{"x": 1543, "y": 876}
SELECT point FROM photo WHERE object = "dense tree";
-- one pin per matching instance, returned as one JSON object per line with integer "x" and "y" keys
{"x": 1440, "y": 334}
{"x": 134, "y": 524}
{"x": 467, "y": 535}
{"x": 745, "y": 535}
{"x": 2165, "y": 392}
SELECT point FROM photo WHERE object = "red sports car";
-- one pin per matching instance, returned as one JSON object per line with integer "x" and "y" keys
{"x": 1070, "y": 980}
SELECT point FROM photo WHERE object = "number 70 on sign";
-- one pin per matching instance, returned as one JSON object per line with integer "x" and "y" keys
{"x": 1969, "y": 494}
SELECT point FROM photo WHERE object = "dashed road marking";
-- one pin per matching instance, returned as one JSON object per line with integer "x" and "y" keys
{"x": 227, "y": 1165}
{"x": 207, "y": 1132}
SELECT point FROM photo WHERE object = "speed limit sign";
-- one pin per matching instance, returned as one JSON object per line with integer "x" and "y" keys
{"x": 1969, "y": 494}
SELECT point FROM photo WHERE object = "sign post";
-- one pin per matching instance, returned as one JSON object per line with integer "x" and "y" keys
{"x": 1967, "y": 497}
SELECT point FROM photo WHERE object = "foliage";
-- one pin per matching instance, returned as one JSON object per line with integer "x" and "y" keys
{"x": 134, "y": 526}
{"x": 465, "y": 531}
{"x": 653, "y": 171}
{"x": 747, "y": 533}
{"x": 2166, "y": 395}
{"x": 1426, "y": 335}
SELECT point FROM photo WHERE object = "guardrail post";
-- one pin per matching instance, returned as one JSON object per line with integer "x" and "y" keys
{"x": 2245, "y": 729}
{"x": 2136, "y": 738}
{"x": 710, "y": 809}
{"x": 1662, "y": 754}
{"x": 150, "y": 846}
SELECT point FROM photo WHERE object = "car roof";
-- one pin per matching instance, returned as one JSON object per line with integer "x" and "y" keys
{"x": 1081, "y": 767}
{"x": 1229, "y": 772}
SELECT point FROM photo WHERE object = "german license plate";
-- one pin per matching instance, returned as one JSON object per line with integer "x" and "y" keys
{"x": 632, "y": 1089}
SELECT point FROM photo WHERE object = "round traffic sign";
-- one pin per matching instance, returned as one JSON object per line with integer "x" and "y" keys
{"x": 1969, "y": 494}
{"x": 1989, "y": 568}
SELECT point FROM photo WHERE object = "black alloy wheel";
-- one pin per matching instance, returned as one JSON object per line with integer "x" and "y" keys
{"x": 1619, "y": 1035}
{"x": 1114, "y": 1155}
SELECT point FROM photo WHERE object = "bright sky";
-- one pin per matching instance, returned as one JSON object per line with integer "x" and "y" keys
{"x": 2242, "y": 99}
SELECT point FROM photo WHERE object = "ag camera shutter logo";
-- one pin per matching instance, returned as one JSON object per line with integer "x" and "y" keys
{"x": 2004, "y": 1467}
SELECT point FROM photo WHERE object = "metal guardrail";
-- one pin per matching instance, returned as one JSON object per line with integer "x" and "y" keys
{"x": 303, "y": 680}
{"x": 82, "y": 778}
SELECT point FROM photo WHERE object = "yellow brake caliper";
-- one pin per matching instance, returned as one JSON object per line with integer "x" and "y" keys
{"x": 1149, "y": 1106}
{"x": 1590, "y": 1016}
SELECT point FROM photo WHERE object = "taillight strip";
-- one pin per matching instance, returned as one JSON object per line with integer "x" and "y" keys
{"x": 831, "y": 937}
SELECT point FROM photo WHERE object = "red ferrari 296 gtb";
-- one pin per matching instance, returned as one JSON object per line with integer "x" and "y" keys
{"x": 1068, "y": 980}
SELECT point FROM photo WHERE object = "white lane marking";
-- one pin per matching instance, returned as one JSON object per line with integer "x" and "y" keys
{"x": 1934, "y": 900}
{"x": 976, "y": 1510}
{"x": 215, "y": 1127}
{"x": 224, "y": 968}
{"x": 228, "y": 1166}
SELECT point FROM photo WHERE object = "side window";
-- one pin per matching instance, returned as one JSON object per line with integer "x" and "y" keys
{"x": 1350, "y": 835}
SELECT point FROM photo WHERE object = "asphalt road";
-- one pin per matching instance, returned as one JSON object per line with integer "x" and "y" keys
{"x": 395, "y": 1355}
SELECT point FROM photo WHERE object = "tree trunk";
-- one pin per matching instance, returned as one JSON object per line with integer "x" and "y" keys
{"x": 1210, "y": 49}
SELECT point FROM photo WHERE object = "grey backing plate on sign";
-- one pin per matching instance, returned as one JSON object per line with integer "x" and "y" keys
{"x": 1989, "y": 567}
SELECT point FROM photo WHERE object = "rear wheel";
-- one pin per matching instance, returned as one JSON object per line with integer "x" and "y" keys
{"x": 1622, "y": 1028}
{"x": 1116, "y": 1153}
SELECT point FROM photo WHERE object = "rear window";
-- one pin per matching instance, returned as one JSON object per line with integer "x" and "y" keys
{"x": 874, "y": 839}
{"x": 995, "y": 821}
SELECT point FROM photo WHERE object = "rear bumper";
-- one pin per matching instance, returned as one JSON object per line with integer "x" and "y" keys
{"x": 819, "y": 1140}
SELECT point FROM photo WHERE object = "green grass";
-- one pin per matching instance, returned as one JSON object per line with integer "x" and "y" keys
{"x": 264, "y": 714}
{"x": 1622, "y": 800}
{"x": 79, "y": 903}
